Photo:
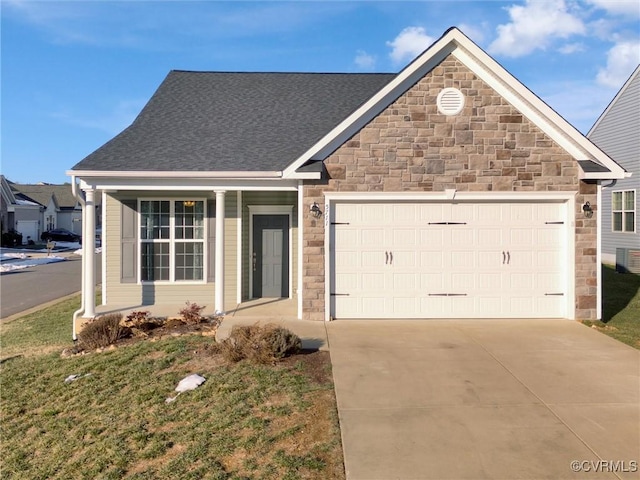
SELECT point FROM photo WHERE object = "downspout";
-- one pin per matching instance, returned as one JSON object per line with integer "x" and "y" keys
{"x": 80, "y": 311}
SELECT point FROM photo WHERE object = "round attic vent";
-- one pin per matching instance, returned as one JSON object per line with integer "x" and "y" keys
{"x": 450, "y": 101}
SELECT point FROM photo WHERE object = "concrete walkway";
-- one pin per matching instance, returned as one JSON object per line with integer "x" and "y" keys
{"x": 485, "y": 399}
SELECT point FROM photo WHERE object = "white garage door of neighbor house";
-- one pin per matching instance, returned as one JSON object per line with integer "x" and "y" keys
{"x": 448, "y": 260}
{"x": 28, "y": 229}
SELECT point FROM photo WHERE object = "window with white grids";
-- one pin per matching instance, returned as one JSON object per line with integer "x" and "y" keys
{"x": 172, "y": 240}
{"x": 623, "y": 211}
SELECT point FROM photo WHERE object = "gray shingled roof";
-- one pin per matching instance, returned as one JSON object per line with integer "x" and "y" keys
{"x": 210, "y": 121}
{"x": 41, "y": 193}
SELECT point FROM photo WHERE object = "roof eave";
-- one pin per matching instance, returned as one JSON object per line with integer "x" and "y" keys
{"x": 227, "y": 175}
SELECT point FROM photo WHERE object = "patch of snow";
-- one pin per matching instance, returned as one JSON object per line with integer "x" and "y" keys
{"x": 12, "y": 256}
{"x": 79, "y": 251}
{"x": 28, "y": 262}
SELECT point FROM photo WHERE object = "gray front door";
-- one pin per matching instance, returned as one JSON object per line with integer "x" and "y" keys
{"x": 270, "y": 256}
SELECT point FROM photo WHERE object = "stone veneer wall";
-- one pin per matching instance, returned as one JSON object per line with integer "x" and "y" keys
{"x": 489, "y": 146}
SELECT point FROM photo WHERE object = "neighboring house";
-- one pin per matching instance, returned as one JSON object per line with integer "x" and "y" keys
{"x": 617, "y": 132}
{"x": 448, "y": 190}
{"x": 20, "y": 214}
{"x": 60, "y": 209}
{"x": 7, "y": 206}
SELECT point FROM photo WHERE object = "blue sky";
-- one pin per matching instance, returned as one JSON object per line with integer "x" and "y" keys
{"x": 75, "y": 73}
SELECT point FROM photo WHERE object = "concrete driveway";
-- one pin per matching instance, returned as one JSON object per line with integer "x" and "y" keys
{"x": 517, "y": 399}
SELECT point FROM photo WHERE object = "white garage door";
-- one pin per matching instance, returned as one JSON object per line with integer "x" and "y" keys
{"x": 448, "y": 260}
{"x": 28, "y": 229}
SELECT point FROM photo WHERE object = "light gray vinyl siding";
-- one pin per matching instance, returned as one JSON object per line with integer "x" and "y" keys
{"x": 618, "y": 134}
{"x": 120, "y": 294}
{"x": 268, "y": 198}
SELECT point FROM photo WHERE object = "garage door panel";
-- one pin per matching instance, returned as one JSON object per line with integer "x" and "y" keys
{"x": 500, "y": 263}
{"x": 403, "y": 259}
{"x": 489, "y": 282}
{"x": 520, "y": 281}
{"x": 372, "y": 259}
{"x": 372, "y": 237}
{"x": 461, "y": 306}
{"x": 433, "y": 237}
{"x": 432, "y": 282}
{"x": 405, "y": 306}
{"x": 431, "y": 260}
{"x": 463, "y": 282}
{"x": 372, "y": 282}
{"x": 487, "y": 236}
{"x": 461, "y": 236}
{"x": 522, "y": 237}
{"x": 463, "y": 259}
{"x": 374, "y": 306}
{"x": 403, "y": 237}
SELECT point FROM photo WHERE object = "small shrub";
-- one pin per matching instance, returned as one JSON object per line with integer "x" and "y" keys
{"x": 138, "y": 316}
{"x": 259, "y": 344}
{"x": 192, "y": 313}
{"x": 102, "y": 332}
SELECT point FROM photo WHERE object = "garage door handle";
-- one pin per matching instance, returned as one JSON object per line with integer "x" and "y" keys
{"x": 508, "y": 258}
{"x": 386, "y": 257}
{"x": 504, "y": 258}
{"x": 390, "y": 258}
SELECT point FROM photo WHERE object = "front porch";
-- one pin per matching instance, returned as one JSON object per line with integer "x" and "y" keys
{"x": 270, "y": 309}
{"x": 280, "y": 311}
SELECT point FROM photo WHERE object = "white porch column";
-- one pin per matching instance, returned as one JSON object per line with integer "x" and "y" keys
{"x": 219, "y": 254}
{"x": 88, "y": 254}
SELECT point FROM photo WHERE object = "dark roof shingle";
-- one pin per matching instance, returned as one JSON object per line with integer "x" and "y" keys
{"x": 209, "y": 121}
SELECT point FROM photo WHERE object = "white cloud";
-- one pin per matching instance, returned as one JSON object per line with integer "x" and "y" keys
{"x": 364, "y": 61}
{"x": 618, "y": 7}
{"x": 534, "y": 26}
{"x": 570, "y": 48}
{"x": 622, "y": 59}
{"x": 474, "y": 33}
{"x": 409, "y": 44}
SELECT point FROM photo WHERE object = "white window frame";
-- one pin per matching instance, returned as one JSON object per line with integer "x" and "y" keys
{"x": 623, "y": 211}
{"x": 172, "y": 241}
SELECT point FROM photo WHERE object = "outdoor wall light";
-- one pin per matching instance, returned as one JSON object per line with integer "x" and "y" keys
{"x": 315, "y": 210}
{"x": 587, "y": 210}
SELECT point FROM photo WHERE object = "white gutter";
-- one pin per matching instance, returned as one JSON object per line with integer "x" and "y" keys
{"x": 80, "y": 311}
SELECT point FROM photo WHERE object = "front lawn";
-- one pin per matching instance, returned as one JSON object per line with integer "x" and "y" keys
{"x": 620, "y": 306}
{"x": 245, "y": 422}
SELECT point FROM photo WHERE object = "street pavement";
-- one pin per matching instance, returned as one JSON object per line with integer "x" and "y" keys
{"x": 24, "y": 289}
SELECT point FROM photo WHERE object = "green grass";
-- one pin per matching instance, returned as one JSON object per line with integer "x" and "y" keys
{"x": 43, "y": 331}
{"x": 244, "y": 422}
{"x": 620, "y": 306}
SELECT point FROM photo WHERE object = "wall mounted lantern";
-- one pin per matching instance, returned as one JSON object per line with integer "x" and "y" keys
{"x": 587, "y": 210}
{"x": 315, "y": 210}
